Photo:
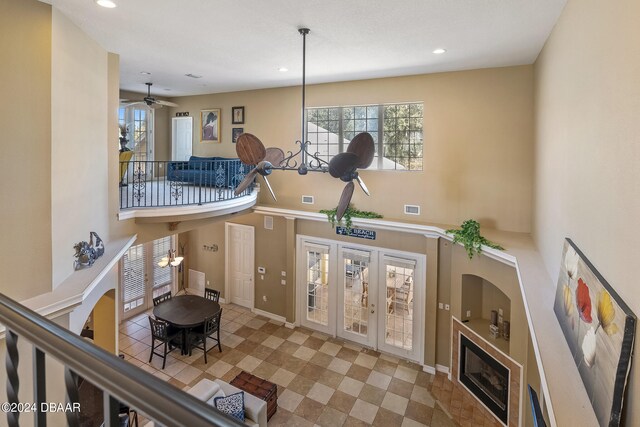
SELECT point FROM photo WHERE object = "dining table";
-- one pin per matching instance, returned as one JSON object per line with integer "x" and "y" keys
{"x": 185, "y": 312}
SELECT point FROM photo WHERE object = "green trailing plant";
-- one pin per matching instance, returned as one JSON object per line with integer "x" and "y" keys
{"x": 469, "y": 236}
{"x": 350, "y": 213}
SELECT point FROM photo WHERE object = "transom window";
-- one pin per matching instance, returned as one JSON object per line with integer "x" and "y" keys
{"x": 395, "y": 128}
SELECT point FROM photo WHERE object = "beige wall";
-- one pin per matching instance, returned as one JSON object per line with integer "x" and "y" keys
{"x": 587, "y": 152}
{"x": 478, "y": 144}
{"x": 25, "y": 165}
{"x": 79, "y": 178}
{"x": 104, "y": 322}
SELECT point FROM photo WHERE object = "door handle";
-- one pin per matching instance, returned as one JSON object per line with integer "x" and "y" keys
{"x": 373, "y": 311}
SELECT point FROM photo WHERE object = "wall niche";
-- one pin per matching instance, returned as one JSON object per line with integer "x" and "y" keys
{"x": 479, "y": 298}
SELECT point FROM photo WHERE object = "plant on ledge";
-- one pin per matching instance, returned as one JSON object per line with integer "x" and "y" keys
{"x": 469, "y": 236}
{"x": 351, "y": 212}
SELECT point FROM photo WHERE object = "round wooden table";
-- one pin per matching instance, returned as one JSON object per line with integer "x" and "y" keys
{"x": 186, "y": 311}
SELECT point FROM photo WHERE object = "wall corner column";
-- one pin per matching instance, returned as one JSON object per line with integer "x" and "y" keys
{"x": 290, "y": 291}
{"x": 431, "y": 300}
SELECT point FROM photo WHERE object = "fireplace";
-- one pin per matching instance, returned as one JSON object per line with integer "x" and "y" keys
{"x": 485, "y": 377}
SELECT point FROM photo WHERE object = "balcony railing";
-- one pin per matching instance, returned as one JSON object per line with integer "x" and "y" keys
{"x": 120, "y": 381}
{"x": 152, "y": 184}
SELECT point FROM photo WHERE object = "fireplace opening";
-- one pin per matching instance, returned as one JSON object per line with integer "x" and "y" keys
{"x": 485, "y": 377}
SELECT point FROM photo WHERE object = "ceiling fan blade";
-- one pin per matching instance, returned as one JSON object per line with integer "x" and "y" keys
{"x": 363, "y": 185}
{"x": 167, "y": 103}
{"x": 266, "y": 181}
{"x": 345, "y": 199}
{"x": 248, "y": 179}
{"x": 128, "y": 102}
{"x": 250, "y": 149}
{"x": 342, "y": 163}
{"x": 364, "y": 146}
{"x": 275, "y": 156}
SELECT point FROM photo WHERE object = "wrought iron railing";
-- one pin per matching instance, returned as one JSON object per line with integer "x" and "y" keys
{"x": 148, "y": 184}
{"x": 119, "y": 380}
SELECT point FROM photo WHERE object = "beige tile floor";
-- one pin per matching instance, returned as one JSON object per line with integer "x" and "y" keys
{"x": 321, "y": 380}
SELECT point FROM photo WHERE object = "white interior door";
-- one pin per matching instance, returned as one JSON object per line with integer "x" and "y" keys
{"x": 357, "y": 296}
{"x": 240, "y": 261}
{"x": 181, "y": 138}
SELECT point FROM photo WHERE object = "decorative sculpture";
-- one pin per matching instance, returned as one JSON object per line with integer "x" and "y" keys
{"x": 87, "y": 252}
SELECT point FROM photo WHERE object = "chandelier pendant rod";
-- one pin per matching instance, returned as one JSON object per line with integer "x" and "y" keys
{"x": 303, "y": 32}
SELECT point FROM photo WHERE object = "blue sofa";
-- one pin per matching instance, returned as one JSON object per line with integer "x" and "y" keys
{"x": 218, "y": 172}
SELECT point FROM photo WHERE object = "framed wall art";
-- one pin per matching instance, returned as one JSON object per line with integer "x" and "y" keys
{"x": 235, "y": 133}
{"x": 237, "y": 115}
{"x": 599, "y": 328}
{"x": 210, "y": 125}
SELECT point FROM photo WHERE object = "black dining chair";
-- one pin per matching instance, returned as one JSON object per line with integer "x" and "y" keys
{"x": 161, "y": 298}
{"x": 166, "y": 335}
{"x": 212, "y": 294}
{"x": 199, "y": 334}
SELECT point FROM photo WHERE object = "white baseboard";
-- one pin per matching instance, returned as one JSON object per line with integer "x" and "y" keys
{"x": 429, "y": 369}
{"x": 442, "y": 368}
{"x": 289, "y": 325}
{"x": 222, "y": 300}
{"x": 269, "y": 315}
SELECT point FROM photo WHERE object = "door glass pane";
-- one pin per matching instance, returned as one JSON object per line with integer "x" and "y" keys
{"x": 162, "y": 276}
{"x": 356, "y": 293}
{"x": 399, "y": 314}
{"x": 133, "y": 284}
{"x": 317, "y": 286}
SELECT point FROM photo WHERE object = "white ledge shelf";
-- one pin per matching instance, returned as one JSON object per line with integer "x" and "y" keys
{"x": 564, "y": 393}
{"x": 78, "y": 285}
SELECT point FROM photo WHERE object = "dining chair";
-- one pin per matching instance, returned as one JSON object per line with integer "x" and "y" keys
{"x": 212, "y": 294}
{"x": 166, "y": 335}
{"x": 161, "y": 298}
{"x": 199, "y": 334}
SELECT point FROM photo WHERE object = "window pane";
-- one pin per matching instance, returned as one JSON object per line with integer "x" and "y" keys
{"x": 402, "y": 136}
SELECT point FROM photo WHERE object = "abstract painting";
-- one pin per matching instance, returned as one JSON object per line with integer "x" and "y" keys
{"x": 599, "y": 328}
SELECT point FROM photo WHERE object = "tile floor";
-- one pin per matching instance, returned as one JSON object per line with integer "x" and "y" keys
{"x": 321, "y": 380}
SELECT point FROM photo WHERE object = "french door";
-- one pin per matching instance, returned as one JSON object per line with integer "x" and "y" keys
{"x": 372, "y": 296}
{"x": 141, "y": 277}
{"x": 357, "y": 295}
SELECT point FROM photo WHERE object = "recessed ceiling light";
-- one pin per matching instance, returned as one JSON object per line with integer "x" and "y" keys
{"x": 193, "y": 76}
{"x": 439, "y": 51}
{"x": 146, "y": 73}
{"x": 106, "y": 3}
{"x": 283, "y": 69}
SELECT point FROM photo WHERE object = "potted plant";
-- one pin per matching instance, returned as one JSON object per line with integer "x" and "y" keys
{"x": 350, "y": 213}
{"x": 469, "y": 236}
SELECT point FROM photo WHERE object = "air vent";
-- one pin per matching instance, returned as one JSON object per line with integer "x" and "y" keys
{"x": 307, "y": 200}
{"x": 193, "y": 76}
{"x": 412, "y": 210}
{"x": 268, "y": 222}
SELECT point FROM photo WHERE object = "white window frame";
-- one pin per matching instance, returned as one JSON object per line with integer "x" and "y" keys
{"x": 378, "y": 132}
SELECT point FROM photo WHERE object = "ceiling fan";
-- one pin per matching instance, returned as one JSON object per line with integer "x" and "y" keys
{"x": 359, "y": 155}
{"x": 149, "y": 100}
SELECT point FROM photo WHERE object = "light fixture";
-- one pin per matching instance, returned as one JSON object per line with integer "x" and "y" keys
{"x": 193, "y": 76}
{"x": 171, "y": 259}
{"x": 439, "y": 51}
{"x": 106, "y": 3}
{"x": 146, "y": 73}
{"x": 283, "y": 69}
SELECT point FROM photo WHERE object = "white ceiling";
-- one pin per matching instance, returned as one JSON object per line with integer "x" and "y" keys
{"x": 240, "y": 44}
